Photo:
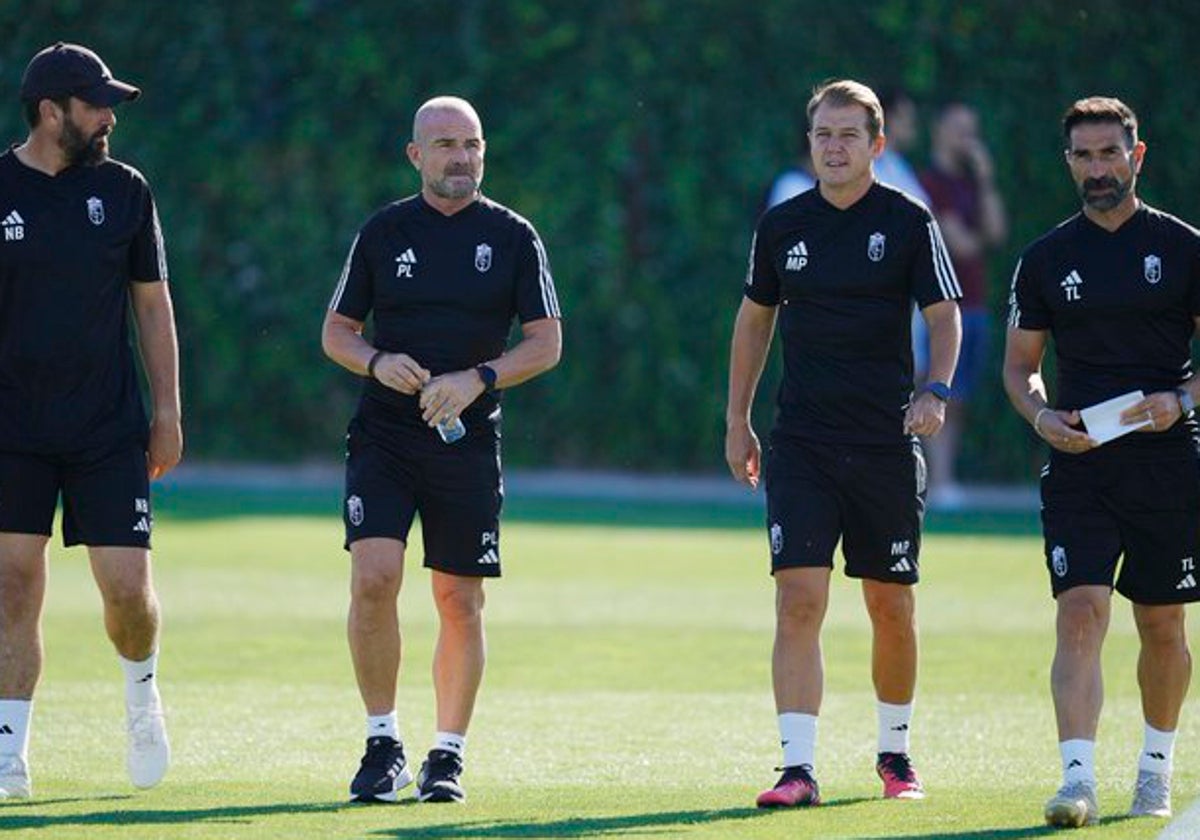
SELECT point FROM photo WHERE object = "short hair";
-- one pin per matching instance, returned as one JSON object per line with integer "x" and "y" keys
{"x": 1101, "y": 109}
{"x": 842, "y": 92}
{"x": 33, "y": 111}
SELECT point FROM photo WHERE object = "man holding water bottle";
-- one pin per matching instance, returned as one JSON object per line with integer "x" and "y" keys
{"x": 443, "y": 273}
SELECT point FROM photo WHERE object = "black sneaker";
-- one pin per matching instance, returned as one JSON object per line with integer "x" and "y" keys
{"x": 438, "y": 779}
{"x": 382, "y": 773}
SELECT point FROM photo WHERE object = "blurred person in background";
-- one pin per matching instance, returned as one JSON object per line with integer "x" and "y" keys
{"x": 443, "y": 274}
{"x": 81, "y": 249}
{"x": 839, "y": 267}
{"x": 1117, "y": 287}
{"x": 963, "y": 197}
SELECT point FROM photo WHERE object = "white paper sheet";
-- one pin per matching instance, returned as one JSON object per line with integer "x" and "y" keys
{"x": 1103, "y": 420}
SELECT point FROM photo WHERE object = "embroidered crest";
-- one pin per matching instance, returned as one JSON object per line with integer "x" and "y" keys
{"x": 354, "y": 510}
{"x": 776, "y": 538}
{"x": 875, "y": 245}
{"x": 483, "y": 257}
{"x": 1058, "y": 559}
{"x": 95, "y": 210}
{"x": 1153, "y": 268}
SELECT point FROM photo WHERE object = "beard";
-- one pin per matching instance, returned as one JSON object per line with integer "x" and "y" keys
{"x": 81, "y": 150}
{"x": 1104, "y": 201}
{"x": 455, "y": 184}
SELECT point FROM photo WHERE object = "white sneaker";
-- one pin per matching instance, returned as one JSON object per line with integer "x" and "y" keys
{"x": 149, "y": 750}
{"x": 1151, "y": 795}
{"x": 1074, "y": 806}
{"x": 14, "y": 778}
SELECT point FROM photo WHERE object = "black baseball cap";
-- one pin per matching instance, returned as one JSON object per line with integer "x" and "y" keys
{"x": 71, "y": 70}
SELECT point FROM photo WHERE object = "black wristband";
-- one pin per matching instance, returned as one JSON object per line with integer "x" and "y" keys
{"x": 374, "y": 361}
{"x": 487, "y": 375}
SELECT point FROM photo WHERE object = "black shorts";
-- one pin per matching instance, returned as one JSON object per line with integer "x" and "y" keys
{"x": 105, "y": 495}
{"x": 1105, "y": 505}
{"x": 871, "y": 498}
{"x": 393, "y": 474}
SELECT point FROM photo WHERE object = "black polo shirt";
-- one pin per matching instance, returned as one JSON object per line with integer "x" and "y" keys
{"x": 70, "y": 245}
{"x": 844, "y": 282}
{"x": 1120, "y": 305}
{"x": 444, "y": 290}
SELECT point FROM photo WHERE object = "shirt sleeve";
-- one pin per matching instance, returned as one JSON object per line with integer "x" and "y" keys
{"x": 762, "y": 281}
{"x": 354, "y": 293}
{"x": 148, "y": 253}
{"x": 933, "y": 277}
{"x": 1027, "y": 309}
{"x": 536, "y": 295}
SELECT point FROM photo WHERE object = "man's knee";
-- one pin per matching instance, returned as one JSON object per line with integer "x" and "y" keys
{"x": 1161, "y": 626}
{"x": 459, "y": 600}
{"x": 376, "y": 570}
{"x": 890, "y": 605}
{"x": 801, "y": 599}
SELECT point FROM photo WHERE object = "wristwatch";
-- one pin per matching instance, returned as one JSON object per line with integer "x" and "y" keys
{"x": 488, "y": 376}
{"x": 939, "y": 389}
{"x": 1187, "y": 405}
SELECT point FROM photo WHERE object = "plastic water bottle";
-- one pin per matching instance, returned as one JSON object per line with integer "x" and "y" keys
{"x": 451, "y": 431}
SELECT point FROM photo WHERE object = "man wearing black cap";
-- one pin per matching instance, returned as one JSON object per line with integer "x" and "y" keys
{"x": 80, "y": 245}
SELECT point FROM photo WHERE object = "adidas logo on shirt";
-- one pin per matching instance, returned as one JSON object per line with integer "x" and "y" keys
{"x": 1188, "y": 582}
{"x": 1070, "y": 285}
{"x": 797, "y": 256}
{"x": 901, "y": 565}
{"x": 14, "y": 227}
{"x": 405, "y": 263}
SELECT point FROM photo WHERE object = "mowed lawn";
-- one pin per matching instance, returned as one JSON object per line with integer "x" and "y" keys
{"x": 627, "y": 695}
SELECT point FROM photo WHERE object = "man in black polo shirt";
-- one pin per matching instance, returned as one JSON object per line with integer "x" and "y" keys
{"x": 80, "y": 245}
{"x": 1118, "y": 288}
{"x": 840, "y": 266}
{"x": 443, "y": 274}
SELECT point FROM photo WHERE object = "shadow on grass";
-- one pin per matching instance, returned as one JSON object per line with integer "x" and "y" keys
{"x": 658, "y": 822}
{"x": 995, "y": 833}
{"x": 10, "y": 818}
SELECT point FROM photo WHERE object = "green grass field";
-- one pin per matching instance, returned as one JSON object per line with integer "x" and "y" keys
{"x": 627, "y": 692}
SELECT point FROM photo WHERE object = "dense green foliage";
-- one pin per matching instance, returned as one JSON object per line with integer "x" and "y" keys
{"x": 638, "y": 135}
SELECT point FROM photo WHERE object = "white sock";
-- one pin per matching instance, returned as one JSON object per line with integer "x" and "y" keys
{"x": 383, "y": 726}
{"x": 451, "y": 742}
{"x": 1158, "y": 751}
{"x": 141, "y": 681}
{"x": 894, "y": 723}
{"x": 798, "y": 736}
{"x": 1078, "y": 761}
{"x": 14, "y": 728}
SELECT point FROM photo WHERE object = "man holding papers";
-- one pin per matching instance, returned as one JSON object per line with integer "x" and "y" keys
{"x": 1117, "y": 286}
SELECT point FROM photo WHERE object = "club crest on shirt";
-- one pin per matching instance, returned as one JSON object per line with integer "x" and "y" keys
{"x": 483, "y": 257}
{"x": 875, "y": 246}
{"x": 1153, "y": 268}
{"x": 95, "y": 209}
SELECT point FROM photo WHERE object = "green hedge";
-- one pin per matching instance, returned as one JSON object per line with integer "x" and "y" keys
{"x": 638, "y": 135}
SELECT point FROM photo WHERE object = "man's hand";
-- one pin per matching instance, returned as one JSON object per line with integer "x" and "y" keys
{"x": 1054, "y": 427}
{"x": 925, "y": 415}
{"x": 166, "y": 445}
{"x": 743, "y": 453}
{"x": 445, "y": 397}
{"x": 400, "y": 373}
{"x": 1161, "y": 408}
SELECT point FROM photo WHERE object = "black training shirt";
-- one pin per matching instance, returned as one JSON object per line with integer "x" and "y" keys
{"x": 70, "y": 245}
{"x": 444, "y": 290}
{"x": 845, "y": 282}
{"x": 1120, "y": 305}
